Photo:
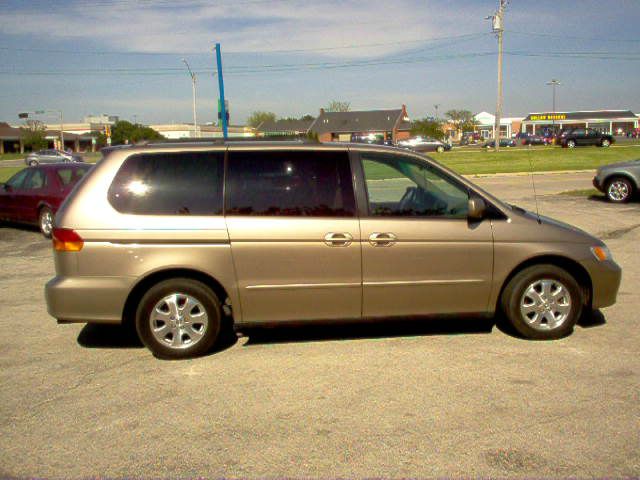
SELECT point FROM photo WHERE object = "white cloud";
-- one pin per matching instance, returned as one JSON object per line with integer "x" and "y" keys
{"x": 244, "y": 26}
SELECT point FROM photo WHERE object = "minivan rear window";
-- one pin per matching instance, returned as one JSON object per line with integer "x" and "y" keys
{"x": 290, "y": 183}
{"x": 183, "y": 183}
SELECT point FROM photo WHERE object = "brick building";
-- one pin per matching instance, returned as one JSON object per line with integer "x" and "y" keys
{"x": 347, "y": 126}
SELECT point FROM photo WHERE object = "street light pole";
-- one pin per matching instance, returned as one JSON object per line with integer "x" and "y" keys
{"x": 498, "y": 28}
{"x": 193, "y": 85}
{"x": 554, "y": 83}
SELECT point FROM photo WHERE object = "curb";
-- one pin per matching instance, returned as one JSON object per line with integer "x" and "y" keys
{"x": 520, "y": 174}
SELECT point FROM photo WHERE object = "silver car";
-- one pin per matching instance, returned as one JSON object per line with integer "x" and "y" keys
{"x": 50, "y": 156}
{"x": 618, "y": 181}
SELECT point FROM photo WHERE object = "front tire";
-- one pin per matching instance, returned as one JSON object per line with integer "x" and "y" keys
{"x": 619, "y": 190}
{"x": 571, "y": 144}
{"x": 542, "y": 302}
{"x": 33, "y": 163}
{"x": 45, "y": 221}
{"x": 605, "y": 143}
{"x": 440, "y": 149}
{"x": 179, "y": 318}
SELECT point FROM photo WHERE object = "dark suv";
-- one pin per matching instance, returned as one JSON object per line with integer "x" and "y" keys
{"x": 585, "y": 136}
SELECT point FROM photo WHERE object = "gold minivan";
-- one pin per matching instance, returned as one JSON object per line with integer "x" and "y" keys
{"x": 175, "y": 238}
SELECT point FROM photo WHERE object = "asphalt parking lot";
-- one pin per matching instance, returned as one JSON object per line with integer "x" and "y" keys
{"x": 439, "y": 398}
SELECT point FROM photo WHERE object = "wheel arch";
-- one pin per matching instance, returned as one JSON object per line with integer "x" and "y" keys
{"x": 624, "y": 175}
{"x": 136, "y": 293}
{"x": 572, "y": 267}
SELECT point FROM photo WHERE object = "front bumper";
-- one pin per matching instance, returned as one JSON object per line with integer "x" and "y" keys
{"x": 605, "y": 281}
{"x": 87, "y": 299}
{"x": 597, "y": 182}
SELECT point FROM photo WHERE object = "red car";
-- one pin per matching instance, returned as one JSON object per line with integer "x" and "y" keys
{"x": 33, "y": 195}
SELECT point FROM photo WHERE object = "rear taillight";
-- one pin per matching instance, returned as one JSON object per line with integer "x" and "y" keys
{"x": 66, "y": 240}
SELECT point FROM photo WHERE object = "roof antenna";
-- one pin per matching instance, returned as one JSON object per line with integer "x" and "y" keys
{"x": 533, "y": 184}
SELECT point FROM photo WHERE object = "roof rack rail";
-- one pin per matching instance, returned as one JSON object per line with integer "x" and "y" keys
{"x": 220, "y": 141}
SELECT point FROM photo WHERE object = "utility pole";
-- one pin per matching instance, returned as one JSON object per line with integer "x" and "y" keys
{"x": 223, "y": 108}
{"x": 554, "y": 83}
{"x": 497, "y": 24}
{"x": 193, "y": 85}
{"x": 436, "y": 107}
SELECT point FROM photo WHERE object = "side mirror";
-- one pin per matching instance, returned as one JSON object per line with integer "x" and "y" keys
{"x": 6, "y": 187}
{"x": 477, "y": 208}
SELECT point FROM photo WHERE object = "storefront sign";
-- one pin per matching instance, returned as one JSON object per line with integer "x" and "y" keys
{"x": 556, "y": 116}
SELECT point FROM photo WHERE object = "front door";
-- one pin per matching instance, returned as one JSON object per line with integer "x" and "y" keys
{"x": 8, "y": 200}
{"x": 294, "y": 234}
{"x": 420, "y": 254}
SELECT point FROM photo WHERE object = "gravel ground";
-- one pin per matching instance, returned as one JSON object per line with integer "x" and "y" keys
{"x": 439, "y": 398}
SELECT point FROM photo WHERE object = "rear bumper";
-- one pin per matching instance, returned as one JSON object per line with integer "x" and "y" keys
{"x": 87, "y": 299}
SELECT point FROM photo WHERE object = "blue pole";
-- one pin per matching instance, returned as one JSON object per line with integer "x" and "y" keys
{"x": 223, "y": 108}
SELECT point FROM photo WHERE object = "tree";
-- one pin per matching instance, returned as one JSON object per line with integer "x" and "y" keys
{"x": 428, "y": 127}
{"x": 124, "y": 132}
{"x": 34, "y": 135}
{"x": 462, "y": 119}
{"x": 338, "y": 106}
{"x": 307, "y": 117}
{"x": 259, "y": 117}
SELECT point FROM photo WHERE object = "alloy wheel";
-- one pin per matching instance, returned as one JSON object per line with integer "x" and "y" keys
{"x": 46, "y": 222}
{"x": 618, "y": 190}
{"x": 178, "y": 321}
{"x": 545, "y": 304}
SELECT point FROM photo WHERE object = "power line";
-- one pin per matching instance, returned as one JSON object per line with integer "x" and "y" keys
{"x": 299, "y": 50}
{"x": 286, "y": 67}
{"x": 571, "y": 37}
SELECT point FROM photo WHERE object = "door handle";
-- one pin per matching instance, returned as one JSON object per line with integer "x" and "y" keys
{"x": 338, "y": 239}
{"x": 385, "y": 239}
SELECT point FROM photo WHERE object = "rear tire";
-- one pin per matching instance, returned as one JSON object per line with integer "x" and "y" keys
{"x": 45, "y": 221}
{"x": 605, "y": 143}
{"x": 440, "y": 149}
{"x": 179, "y": 318}
{"x": 542, "y": 302}
{"x": 571, "y": 144}
{"x": 619, "y": 190}
{"x": 33, "y": 163}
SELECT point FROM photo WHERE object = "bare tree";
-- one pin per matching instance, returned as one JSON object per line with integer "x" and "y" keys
{"x": 338, "y": 106}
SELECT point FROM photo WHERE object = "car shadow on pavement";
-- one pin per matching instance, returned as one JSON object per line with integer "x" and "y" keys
{"x": 95, "y": 335}
{"x": 299, "y": 332}
{"x": 592, "y": 319}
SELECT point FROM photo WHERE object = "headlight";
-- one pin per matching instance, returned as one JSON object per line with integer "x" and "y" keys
{"x": 601, "y": 253}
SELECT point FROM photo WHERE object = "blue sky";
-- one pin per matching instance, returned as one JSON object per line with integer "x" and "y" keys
{"x": 123, "y": 57}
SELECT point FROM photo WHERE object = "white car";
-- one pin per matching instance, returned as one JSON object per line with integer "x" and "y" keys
{"x": 424, "y": 144}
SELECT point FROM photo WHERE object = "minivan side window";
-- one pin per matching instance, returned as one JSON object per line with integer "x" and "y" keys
{"x": 402, "y": 187}
{"x": 186, "y": 183}
{"x": 302, "y": 183}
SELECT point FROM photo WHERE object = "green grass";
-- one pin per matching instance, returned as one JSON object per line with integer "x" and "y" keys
{"x": 539, "y": 159}
{"x": 542, "y": 159}
{"x": 7, "y": 172}
{"x": 585, "y": 192}
{"x": 12, "y": 156}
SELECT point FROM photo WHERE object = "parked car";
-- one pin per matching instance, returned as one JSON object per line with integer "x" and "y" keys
{"x": 470, "y": 138}
{"x": 619, "y": 181}
{"x": 371, "y": 140}
{"x": 533, "y": 140}
{"x": 585, "y": 136}
{"x": 504, "y": 142}
{"x": 34, "y": 194}
{"x": 51, "y": 156}
{"x": 425, "y": 144}
{"x": 185, "y": 240}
